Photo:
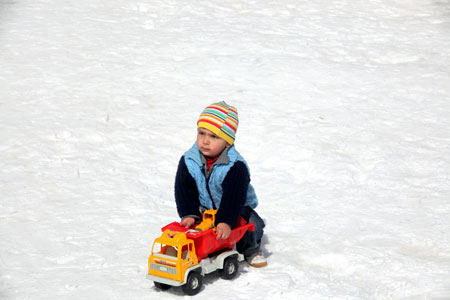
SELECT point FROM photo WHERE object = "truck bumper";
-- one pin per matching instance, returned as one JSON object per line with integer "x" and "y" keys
{"x": 164, "y": 280}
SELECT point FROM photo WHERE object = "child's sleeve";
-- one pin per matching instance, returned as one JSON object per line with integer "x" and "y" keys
{"x": 235, "y": 186}
{"x": 186, "y": 192}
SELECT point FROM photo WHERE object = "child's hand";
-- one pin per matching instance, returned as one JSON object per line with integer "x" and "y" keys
{"x": 223, "y": 231}
{"x": 187, "y": 222}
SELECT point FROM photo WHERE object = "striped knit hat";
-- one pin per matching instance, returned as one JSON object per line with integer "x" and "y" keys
{"x": 222, "y": 119}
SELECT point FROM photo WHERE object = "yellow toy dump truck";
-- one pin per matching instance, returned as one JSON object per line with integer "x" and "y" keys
{"x": 182, "y": 256}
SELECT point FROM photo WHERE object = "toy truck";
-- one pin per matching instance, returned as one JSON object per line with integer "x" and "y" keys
{"x": 182, "y": 256}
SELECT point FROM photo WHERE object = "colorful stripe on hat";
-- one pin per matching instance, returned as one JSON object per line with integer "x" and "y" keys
{"x": 222, "y": 119}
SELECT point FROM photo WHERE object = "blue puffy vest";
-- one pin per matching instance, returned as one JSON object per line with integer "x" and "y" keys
{"x": 194, "y": 164}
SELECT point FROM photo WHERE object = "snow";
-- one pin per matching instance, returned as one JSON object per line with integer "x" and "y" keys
{"x": 344, "y": 121}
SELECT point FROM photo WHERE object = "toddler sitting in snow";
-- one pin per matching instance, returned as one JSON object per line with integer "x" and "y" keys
{"x": 213, "y": 175}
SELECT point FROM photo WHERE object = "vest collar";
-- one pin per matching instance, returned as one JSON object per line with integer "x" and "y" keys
{"x": 222, "y": 159}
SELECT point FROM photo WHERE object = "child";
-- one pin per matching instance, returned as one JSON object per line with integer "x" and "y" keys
{"x": 212, "y": 174}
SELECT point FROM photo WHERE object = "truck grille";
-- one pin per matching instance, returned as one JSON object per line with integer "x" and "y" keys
{"x": 165, "y": 269}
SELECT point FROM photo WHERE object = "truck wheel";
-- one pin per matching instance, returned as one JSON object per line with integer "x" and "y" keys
{"x": 230, "y": 268}
{"x": 162, "y": 286}
{"x": 193, "y": 284}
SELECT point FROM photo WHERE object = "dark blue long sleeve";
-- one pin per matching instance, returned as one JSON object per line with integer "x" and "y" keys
{"x": 235, "y": 186}
{"x": 186, "y": 192}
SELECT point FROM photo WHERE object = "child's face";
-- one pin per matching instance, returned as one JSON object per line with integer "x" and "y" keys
{"x": 209, "y": 144}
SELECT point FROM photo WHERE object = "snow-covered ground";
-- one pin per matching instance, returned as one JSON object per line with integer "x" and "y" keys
{"x": 345, "y": 122}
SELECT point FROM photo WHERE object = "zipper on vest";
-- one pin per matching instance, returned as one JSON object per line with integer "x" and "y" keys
{"x": 207, "y": 185}
{"x": 209, "y": 192}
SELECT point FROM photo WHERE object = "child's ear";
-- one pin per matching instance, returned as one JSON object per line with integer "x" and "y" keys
{"x": 228, "y": 146}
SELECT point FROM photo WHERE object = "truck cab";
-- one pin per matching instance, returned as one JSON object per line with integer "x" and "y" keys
{"x": 172, "y": 254}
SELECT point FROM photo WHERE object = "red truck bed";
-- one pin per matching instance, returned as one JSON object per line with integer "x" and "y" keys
{"x": 206, "y": 242}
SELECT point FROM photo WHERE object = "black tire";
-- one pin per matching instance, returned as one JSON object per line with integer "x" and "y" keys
{"x": 162, "y": 286}
{"x": 230, "y": 268}
{"x": 193, "y": 284}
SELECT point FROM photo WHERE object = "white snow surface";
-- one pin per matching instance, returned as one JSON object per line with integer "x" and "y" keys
{"x": 344, "y": 120}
